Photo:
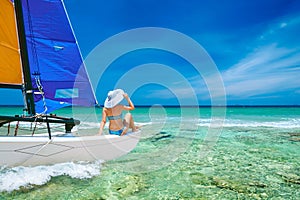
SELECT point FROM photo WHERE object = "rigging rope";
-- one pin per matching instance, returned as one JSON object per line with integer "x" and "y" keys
{"x": 41, "y": 91}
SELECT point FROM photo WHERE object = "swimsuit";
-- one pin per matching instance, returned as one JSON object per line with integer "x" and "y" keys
{"x": 115, "y": 117}
{"x": 118, "y": 132}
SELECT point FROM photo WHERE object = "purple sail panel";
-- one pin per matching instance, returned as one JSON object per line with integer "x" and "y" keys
{"x": 55, "y": 61}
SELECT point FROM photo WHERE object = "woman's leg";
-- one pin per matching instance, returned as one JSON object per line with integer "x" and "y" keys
{"x": 128, "y": 123}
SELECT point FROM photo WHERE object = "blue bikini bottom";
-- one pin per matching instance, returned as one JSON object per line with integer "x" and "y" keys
{"x": 119, "y": 132}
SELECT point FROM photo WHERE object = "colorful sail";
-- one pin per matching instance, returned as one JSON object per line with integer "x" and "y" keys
{"x": 10, "y": 64}
{"x": 56, "y": 64}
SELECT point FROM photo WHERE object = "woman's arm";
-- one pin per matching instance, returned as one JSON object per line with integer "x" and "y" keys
{"x": 131, "y": 106}
{"x": 103, "y": 121}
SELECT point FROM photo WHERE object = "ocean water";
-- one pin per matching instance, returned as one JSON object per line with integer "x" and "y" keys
{"x": 183, "y": 153}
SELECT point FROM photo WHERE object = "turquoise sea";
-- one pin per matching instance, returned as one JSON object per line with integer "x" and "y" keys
{"x": 183, "y": 153}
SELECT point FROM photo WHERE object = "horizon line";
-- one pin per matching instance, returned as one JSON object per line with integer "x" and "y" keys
{"x": 185, "y": 106}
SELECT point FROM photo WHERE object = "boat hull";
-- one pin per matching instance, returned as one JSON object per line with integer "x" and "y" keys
{"x": 38, "y": 150}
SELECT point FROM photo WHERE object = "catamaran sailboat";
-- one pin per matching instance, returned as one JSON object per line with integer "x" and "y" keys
{"x": 39, "y": 55}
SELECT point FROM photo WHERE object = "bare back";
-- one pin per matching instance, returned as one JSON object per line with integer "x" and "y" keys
{"x": 115, "y": 124}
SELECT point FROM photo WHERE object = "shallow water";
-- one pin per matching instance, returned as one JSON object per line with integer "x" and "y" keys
{"x": 250, "y": 153}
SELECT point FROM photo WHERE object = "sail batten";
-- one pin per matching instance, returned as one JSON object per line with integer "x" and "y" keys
{"x": 5, "y": 45}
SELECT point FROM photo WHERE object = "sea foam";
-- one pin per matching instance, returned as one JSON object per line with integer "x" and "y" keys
{"x": 286, "y": 123}
{"x": 20, "y": 177}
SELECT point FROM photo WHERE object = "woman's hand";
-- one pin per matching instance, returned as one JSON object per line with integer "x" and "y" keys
{"x": 125, "y": 95}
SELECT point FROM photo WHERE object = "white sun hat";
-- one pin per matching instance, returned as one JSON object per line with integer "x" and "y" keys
{"x": 113, "y": 98}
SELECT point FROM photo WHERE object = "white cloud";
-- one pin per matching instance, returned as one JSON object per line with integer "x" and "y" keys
{"x": 272, "y": 67}
{"x": 267, "y": 70}
{"x": 283, "y": 24}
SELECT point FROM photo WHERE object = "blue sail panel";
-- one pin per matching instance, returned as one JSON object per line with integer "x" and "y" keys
{"x": 55, "y": 61}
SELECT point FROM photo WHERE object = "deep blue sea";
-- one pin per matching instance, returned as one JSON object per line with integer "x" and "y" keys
{"x": 183, "y": 153}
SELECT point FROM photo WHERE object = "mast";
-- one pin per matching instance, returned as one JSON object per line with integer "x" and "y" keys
{"x": 27, "y": 90}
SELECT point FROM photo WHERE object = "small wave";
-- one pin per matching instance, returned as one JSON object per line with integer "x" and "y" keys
{"x": 92, "y": 125}
{"x": 285, "y": 123}
{"x": 14, "y": 178}
{"x": 143, "y": 123}
{"x": 89, "y": 125}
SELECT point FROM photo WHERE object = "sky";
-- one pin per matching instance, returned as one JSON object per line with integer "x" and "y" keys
{"x": 250, "y": 50}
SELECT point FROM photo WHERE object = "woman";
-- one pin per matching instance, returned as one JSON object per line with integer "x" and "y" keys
{"x": 113, "y": 111}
